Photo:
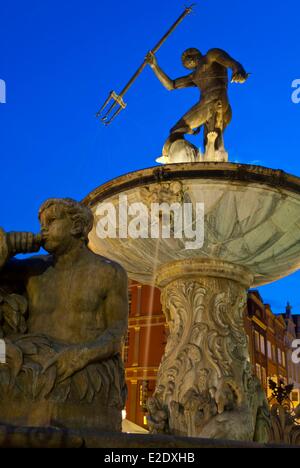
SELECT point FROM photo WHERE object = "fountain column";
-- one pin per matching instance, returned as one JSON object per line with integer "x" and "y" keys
{"x": 205, "y": 387}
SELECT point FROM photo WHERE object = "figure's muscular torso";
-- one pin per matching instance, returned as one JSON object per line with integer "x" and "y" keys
{"x": 69, "y": 305}
{"x": 209, "y": 77}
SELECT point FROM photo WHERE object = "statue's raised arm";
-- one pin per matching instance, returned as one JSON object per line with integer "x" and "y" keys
{"x": 166, "y": 81}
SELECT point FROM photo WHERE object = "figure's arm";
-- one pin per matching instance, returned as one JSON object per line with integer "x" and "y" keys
{"x": 116, "y": 317}
{"x": 239, "y": 74}
{"x": 13, "y": 270}
{"x": 4, "y": 250}
{"x": 166, "y": 81}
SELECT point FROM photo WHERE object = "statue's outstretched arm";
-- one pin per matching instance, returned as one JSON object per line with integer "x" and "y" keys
{"x": 166, "y": 81}
{"x": 239, "y": 74}
{"x": 13, "y": 278}
{"x": 13, "y": 270}
{"x": 4, "y": 250}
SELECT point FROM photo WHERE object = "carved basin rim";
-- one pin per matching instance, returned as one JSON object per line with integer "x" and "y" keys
{"x": 195, "y": 268}
{"x": 230, "y": 172}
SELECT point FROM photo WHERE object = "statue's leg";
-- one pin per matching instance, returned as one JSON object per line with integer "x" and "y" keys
{"x": 227, "y": 116}
{"x": 193, "y": 119}
{"x": 219, "y": 118}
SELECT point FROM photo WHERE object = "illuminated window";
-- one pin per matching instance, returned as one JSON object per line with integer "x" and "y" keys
{"x": 269, "y": 346}
{"x": 144, "y": 391}
{"x": 126, "y": 348}
{"x": 279, "y": 356}
{"x": 125, "y": 355}
{"x": 274, "y": 353}
{"x": 283, "y": 359}
{"x": 262, "y": 344}
{"x": 258, "y": 371}
{"x": 129, "y": 299}
{"x": 263, "y": 376}
{"x": 256, "y": 338}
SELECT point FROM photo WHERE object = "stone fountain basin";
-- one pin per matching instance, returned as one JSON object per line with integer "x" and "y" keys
{"x": 252, "y": 218}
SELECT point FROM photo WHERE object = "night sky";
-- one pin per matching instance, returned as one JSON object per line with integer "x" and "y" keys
{"x": 60, "y": 59}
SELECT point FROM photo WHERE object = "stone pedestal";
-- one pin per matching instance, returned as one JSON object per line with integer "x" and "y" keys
{"x": 204, "y": 385}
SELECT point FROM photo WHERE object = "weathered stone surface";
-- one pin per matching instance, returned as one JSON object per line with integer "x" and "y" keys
{"x": 205, "y": 387}
{"x": 63, "y": 317}
{"x": 38, "y": 437}
{"x": 252, "y": 218}
{"x": 12, "y": 437}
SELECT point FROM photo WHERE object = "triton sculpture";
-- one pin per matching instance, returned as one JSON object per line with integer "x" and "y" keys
{"x": 62, "y": 319}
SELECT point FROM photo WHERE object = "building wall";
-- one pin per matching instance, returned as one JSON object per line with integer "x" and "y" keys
{"x": 147, "y": 336}
{"x": 292, "y": 333}
{"x": 144, "y": 347}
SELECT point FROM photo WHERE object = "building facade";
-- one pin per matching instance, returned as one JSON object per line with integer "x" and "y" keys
{"x": 270, "y": 337}
{"x": 292, "y": 333}
{"x": 144, "y": 347}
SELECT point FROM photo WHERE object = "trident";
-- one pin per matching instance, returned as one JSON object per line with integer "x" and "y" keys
{"x": 106, "y": 113}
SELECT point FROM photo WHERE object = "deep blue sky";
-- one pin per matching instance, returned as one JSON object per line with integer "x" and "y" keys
{"x": 60, "y": 59}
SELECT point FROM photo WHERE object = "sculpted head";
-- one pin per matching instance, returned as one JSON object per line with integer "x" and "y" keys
{"x": 64, "y": 222}
{"x": 190, "y": 58}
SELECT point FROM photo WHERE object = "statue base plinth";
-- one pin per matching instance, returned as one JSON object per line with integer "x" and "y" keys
{"x": 74, "y": 416}
{"x": 182, "y": 151}
{"x": 49, "y": 437}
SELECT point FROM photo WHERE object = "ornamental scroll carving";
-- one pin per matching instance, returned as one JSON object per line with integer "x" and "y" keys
{"x": 204, "y": 386}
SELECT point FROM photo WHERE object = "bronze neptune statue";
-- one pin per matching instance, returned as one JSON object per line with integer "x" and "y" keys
{"x": 209, "y": 74}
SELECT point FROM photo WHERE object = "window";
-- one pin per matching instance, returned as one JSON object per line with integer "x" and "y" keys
{"x": 144, "y": 391}
{"x": 125, "y": 355}
{"x": 129, "y": 300}
{"x": 269, "y": 346}
{"x": 274, "y": 353}
{"x": 262, "y": 344}
{"x": 258, "y": 371}
{"x": 127, "y": 339}
{"x": 279, "y": 356}
{"x": 256, "y": 338}
{"x": 283, "y": 359}
{"x": 263, "y": 376}
{"x": 126, "y": 347}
